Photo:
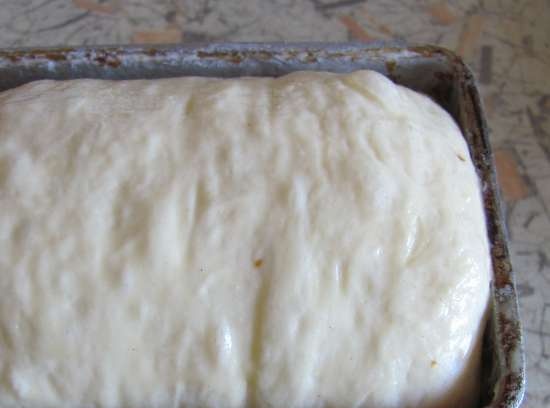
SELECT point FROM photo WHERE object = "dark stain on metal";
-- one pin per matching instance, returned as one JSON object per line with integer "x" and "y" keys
{"x": 511, "y": 388}
{"x": 390, "y": 66}
{"x": 56, "y": 56}
{"x": 310, "y": 57}
{"x": 511, "y": 335}
{"x": 152, "y": 52}
{"x": 108, "y": 59}
{"x": 50, "y": 55}
{"x": 234, "y": 56}
{"x": 307, "y": 57}
{"x": 11, "y": 57}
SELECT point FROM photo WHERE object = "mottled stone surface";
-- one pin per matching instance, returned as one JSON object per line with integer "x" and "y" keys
{"x": 506, "y": 42}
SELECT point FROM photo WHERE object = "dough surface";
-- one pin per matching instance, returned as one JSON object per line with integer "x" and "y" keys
{"x": 315, "y": 240}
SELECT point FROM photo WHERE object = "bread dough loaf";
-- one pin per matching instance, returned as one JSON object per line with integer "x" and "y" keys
{"x": 315, "y": 240}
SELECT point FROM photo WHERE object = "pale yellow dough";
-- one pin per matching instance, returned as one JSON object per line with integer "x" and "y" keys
{"x": 315, "y": 240}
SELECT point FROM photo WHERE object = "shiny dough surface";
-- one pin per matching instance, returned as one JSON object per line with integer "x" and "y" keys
{"x": 315, "y": 240}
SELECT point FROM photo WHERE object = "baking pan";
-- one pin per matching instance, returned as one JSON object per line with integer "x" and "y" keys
{"x": 433, "y": 71}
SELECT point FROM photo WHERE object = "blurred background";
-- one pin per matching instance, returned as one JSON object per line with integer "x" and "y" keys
{"x": 507, "y": 44}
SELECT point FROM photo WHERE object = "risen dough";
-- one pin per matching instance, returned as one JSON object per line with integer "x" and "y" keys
{"x": 313, "y": 240}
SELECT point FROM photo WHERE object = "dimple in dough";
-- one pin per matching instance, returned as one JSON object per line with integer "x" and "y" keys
{"x": 315, "y": 240}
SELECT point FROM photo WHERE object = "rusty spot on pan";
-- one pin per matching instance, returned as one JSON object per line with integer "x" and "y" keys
{"x": 152, "y": 52}
{"x": 510, "y": 392}
{"x": 390, "y": 67}
{"x": 102, "y": 57}
{"x": 510, "y": 336}
{"x": 109, "y": 60}
{"x": 306, "y": 56}
{"x": 233, "y": 57}
{"x": 56, "y": 55}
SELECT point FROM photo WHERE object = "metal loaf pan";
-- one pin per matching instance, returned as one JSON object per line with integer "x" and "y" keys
{"x": 430, "y": 70}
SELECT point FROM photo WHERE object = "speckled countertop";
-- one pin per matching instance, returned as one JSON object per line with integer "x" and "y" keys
{"x": 506, "y": 42}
